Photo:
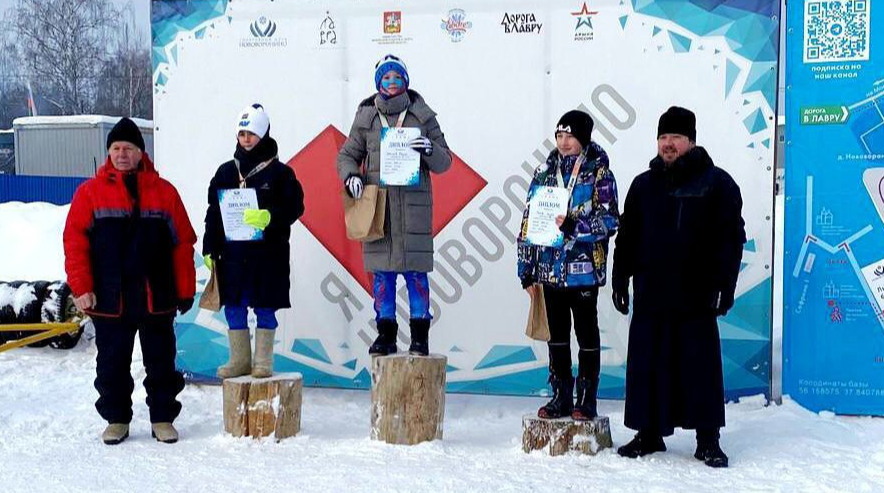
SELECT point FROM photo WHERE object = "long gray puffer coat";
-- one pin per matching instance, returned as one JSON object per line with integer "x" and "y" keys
{"x": 407, "y": 244}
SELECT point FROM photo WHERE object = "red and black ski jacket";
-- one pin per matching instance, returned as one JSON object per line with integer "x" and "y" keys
{"x": 133, "y": 250}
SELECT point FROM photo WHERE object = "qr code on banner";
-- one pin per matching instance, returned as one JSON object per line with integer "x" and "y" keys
{"x": 836, "y": 30}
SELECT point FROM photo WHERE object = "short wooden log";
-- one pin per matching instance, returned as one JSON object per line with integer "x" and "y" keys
{"x": 407, "y": 398}
{"x": 260, "y": 407}
{"x": 560, "y": 436}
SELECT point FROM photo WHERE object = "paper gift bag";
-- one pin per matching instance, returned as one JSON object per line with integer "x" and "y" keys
{"x": 211, "y": 297}
{"x": 364, "y": 218}
{"x": 538, "y": 325}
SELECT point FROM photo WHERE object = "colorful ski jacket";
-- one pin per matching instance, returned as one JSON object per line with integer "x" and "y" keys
{"x": 592, "y": 218}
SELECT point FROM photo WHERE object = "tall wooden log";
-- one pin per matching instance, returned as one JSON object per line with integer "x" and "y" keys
{"x": 260, "y": 407}
{"x": 408, "y": 398}
{"x": 563, "y": 435}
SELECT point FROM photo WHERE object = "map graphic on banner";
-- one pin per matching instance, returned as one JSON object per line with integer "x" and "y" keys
{"x": 498, "y": 74}
{"x": 833, "y": 344}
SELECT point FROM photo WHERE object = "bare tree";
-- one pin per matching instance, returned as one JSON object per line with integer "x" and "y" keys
{"x": 63, "y": 44}
{"x": 126, "y": 87}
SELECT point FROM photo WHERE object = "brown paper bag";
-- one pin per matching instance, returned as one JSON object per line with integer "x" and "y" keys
{"x": 365, "y": 217}
{"x": 211, "y": 297}
{"x": 538, "y": 325}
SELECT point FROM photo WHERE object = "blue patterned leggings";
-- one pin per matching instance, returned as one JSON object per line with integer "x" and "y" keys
{"x": 418, "y": 286}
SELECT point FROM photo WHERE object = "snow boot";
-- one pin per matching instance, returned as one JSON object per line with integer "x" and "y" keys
{"x": 263, "y": 364}
{"x": 561, "y": 403}
{"x": 115, "y": 433}
{"x": 586, "y": 407}
{"x": 240, "y": 362}
{"x": 164, "y": 432}
{"x": 420, "y": 329}
{"x": 643, "y": 444}
{"x": 708, "y": 449}
{"x": 385, "y": 343}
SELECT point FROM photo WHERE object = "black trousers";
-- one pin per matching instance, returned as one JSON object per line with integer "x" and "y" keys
{"x": 561, "y": 303}
{"x": 115, "y": 340}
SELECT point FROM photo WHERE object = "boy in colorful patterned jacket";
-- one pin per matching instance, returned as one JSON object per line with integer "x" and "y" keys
{"x": 569, "y": 276}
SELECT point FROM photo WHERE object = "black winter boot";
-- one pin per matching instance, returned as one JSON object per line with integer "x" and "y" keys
{"x": 386, "y": 341}
{"x": 586, "y": 408}
{"x": 643, "y": 444}
{"x": 420, "y": 328}
{"x": 561, "y": 403}
{"x": 708, "y": 449}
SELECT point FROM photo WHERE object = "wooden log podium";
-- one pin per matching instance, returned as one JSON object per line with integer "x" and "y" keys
{"x": 260, "y": 407}
{"x": 407, "y": 398}
{"x": 563, "y": 435}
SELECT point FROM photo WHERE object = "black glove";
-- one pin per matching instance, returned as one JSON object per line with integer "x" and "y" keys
{"x": 568, "y": 226}
{"x": 527, "y": 281}
{"x": 722, "y": 302}
{"x": 621, "y": 301}
{"x": 184, "y": 306}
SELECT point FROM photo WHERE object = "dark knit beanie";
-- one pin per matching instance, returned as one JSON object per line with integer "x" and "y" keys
{"x": 126, "y": 130}
{"x": 578, "y": 124}
{"x": 679, "y": 121}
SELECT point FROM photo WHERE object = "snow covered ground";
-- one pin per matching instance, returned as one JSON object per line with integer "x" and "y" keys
{"x": 49, "y": 443}
{"x": 49, "y": 432}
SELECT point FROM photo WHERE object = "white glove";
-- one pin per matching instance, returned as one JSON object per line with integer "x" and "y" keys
{"x": 354, "y": 186}
{"x": 422, "y": 145}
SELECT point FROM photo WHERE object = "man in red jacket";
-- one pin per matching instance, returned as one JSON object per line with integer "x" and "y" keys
{"x": 129, "y": 259}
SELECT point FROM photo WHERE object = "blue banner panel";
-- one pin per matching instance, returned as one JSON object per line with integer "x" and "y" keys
{"x": 833, "y": 342}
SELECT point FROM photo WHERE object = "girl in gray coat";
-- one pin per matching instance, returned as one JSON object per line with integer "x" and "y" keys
{"x": 407, "y": 245}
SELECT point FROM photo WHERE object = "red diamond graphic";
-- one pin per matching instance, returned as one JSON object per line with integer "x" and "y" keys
{"x": 324, "y": 215}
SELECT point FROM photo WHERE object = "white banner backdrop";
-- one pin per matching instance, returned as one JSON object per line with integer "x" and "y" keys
{"x": 499, "y": 74}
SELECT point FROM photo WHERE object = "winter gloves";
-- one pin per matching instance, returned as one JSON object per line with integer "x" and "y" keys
{"x": 723, "y": 301}
{"x": 354, "y": 186}
{"x": 422, "y": 145}
{"x": 569, "y": 225}
{"x": 256, "y": 218}
{"x": 207, "y": 259}
{"x": 184, "y": 306}
{"x": 620, "y": 296}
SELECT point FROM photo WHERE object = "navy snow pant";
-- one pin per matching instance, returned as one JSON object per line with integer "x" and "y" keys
{"x": 115, "y": 339}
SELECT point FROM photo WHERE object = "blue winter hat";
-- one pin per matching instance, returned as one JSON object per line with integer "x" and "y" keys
{"x": 386, "y": 64}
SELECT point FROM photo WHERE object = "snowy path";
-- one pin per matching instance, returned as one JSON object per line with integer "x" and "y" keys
{"x": 49, "y": 443}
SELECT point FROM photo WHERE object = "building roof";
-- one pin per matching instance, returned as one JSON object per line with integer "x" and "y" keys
{"x": 75, "y": 120}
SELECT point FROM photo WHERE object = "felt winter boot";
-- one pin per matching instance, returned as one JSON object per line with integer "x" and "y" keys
{"x": 115, "y": 433}
{"x": 263, "y": 364}
{"x": 708, "y": 449}
{"x": 420, "y": 329}
{"x": 164, "y": 432}
{"x": 385, "y": 343}
{"x": 240, "y": 362}
{"x": 585, "y": 408}
{"x": 643, "y": 444}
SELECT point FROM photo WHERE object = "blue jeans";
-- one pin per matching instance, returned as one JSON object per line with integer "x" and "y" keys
{"x": 418, "y": 286}
{"x": 238, "y": 317}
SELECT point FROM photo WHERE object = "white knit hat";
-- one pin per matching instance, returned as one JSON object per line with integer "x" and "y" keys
{"x": 253, "y": 119}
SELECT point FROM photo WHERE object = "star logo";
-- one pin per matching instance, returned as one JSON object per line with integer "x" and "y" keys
{"x": 584, "y": 17}
{"x": 324, "y": 207}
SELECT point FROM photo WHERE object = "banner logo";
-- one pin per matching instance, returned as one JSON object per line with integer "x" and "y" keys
{"x": 392, "y": 22}
{"x": 520, "y": 23}
{"x": 263, "y": 28}
{"x": 456, "y": 25}
{"x": 392, "y": 30}
{"x": 263, "y": 35}
{"x": 583, "y": 31}
{"x": 327, "y": 34}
